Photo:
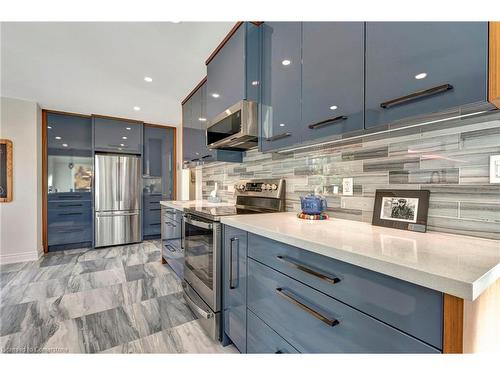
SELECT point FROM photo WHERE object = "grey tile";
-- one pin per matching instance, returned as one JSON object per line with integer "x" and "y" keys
{"x": 94, "y": 280}
{"x": 107, "y": 329}
{"x": 97, "y": 265}
{"x": 148, "y": 270}
{"x": 106, "y": 253}
{"x": 443, "y": 209}
{"x": 475, "y": 228}
{"x": 480, "y": 138}
{"x": 20, "y": 317}
{"x": 438, "y": 176}
{"x": 14, "y": 267}
{"x": 58, "y": 259}
{"x": 484, "y": 211}
{"x": 392, "y": 165}
{"x": 366, "y": 153}
{"x": 162, "y": 285}
{"x": 134, "y": 291}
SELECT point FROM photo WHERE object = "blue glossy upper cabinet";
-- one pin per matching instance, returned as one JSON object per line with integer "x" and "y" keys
{"x": 117, "y": 135}
{"x": 332, "y": 78}
{"x": 416, "y": 68}
{"x": 233, "y": 70}
{"x": 281, "y": 124}
{"x": 190, "y": 131}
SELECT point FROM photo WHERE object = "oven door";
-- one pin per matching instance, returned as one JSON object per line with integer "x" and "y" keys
{"x": 202, "y": 256}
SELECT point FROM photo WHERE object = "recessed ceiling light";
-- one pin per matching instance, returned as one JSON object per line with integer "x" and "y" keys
{"x": 286, "y": 62}
{"x": 58, "y": 138}
{"x": 215, "y": 95}
{"x": 122, "y": 145}
{"x": 65, "y": 145}
{"x": 255, "y": 83}
{"x": 333, "y": 107}
{"x": 136, "y": 108}
{"x": 128, "y": 128}
{"x": 148, "y": 79}
{"x": 282, "y": 125}
{"x": 49, "y": 127}
{"x": 202, "y": 119}
{"x": 124, "y": 137}
{"x": 421, "y": 75}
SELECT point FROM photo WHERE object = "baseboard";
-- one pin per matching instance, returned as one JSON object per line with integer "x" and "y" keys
{"x": 19, "y": 257}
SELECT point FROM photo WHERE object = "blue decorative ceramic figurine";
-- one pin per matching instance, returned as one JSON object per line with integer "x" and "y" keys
{"x": 313, "y": 204}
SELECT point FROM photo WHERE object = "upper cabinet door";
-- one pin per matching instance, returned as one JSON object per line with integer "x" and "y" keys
{"x": 414, "y": 68}
{"x": 116, "y": 135}
{"x": 332, "y": 78}
{"x": 281, "y": 85}
{"x": 226, "y": 75}
{"x": 190, "y": 130}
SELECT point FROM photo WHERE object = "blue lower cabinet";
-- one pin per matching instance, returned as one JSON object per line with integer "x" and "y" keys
{"x": 69, "y": 224}
{"x": 235, "y": 286}
{"x": 406, "y": 306}
{"x": 262, "y": 339}
{"x": 313, "y": 322}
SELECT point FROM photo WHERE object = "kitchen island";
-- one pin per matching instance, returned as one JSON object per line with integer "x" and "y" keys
{"x": 462, "y": 272}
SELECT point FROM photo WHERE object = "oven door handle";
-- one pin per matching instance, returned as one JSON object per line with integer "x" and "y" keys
{"x": 182, "y": 233}
{"x": 198, "y": 309}
{"x": 197, "y": 223}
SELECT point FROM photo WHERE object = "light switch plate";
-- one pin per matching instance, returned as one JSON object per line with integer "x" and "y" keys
{"x": 347, "y": 186}
{"x": 495, "y": 169}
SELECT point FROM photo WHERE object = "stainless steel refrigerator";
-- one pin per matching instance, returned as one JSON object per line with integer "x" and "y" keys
{"x": 117, "y": 199}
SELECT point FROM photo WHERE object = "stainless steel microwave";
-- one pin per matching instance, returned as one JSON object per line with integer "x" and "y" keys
{"x": 234, "y": 129}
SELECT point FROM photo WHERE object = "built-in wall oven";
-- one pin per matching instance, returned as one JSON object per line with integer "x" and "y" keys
{"x": 202, "y": 270}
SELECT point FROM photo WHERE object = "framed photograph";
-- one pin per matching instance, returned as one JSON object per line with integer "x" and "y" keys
{"x": 401, "y": 209}
{"x": 5, "y": 170}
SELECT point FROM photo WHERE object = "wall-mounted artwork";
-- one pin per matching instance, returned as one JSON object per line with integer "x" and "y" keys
{"x": 5, "y": 170}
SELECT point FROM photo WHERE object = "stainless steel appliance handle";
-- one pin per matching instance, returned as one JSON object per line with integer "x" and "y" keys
{"x": 115, "y": 214}
{"x": 298, "y": 266}
{"x": 183, "y": 235}
{"x": 198, "y": 309}
{"x": 231, "y": 273}
{"x": 324, "y": 319}
{"x": 197, "y": 223}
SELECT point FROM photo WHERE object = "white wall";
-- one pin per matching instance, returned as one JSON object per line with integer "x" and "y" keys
{"x": 21, "y": 219}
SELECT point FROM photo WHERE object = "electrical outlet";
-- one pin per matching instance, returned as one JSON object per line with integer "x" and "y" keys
{"x": 347, "y": 186}
{"x": 494, "y": 169}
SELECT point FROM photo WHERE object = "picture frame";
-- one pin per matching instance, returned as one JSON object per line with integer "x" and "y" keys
{"x": 6, "y": 171}
{"x": 401, "y": 209}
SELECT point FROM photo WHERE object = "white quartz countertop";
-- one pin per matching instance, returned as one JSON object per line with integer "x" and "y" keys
{"x": 181, "y": 205}
{"x": 458, "y": 265}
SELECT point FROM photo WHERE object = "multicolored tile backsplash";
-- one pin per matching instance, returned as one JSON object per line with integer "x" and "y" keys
{"x": 449, "y": 159}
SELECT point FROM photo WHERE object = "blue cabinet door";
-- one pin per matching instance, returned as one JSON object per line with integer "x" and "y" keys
{"x": 332, "y": 78}
{"x": 234, "y": 286}
{"x": 153, "y": 151}
{"x": 116, "y": 135}
{"x": 226, "y": 75}
{"x": 190, "y": 134}
{"x": 281, "y": 124}
{"x": 416, "y": 68}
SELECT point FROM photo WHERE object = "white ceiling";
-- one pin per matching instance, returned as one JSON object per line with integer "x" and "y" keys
{"x": 92, "y": 67}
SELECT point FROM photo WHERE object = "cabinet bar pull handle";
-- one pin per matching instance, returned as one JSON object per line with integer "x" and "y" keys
{"x": 206, "y": 156}
{"x": 416, "y": 95}
{"x": 324, "y": 319}
{"x": 71, "y": 205}
{"x": 231, "y": 273}
{"x": 294, "y": 264}
{"x": 70, "y": 213}
{"x": 278, "y": 136}
{"x": 327, "y": 122}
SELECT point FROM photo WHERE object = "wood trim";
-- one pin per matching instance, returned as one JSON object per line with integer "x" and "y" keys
{"x": 45, "y": 241}
{"x": 117, "y": 118}
{"x": 10, "y": 169}
{"x": 453, "y": 324}
{"x": 494, "y": 64}
{"x": 174, "y": 150}
{"x": 193, "y": 91}
{"x": 224, "y": 41}
{"x": 65, "y": 113}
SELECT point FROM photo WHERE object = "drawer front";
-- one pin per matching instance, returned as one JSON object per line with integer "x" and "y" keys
{"x": 408, "y": 307}
{"x": 152, "y": 229}
{"x": 262, "y": 339}
{"x": 172, "y": 214}
{"x": 315, "y": 323}
{"x": 152, "y": 216}
{"x": 69, "y": 206}
{"x": 67, "y": 234}
{"x": 76, "y": 196}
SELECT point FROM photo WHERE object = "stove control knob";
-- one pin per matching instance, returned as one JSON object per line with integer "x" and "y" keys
{"x": 263, "y": 187}
{"x": 268, "y": 187}
{"x": 241, "y": 187}
{"x": 274, "y": 186}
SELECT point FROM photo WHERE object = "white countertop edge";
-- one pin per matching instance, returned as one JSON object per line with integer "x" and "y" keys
{"x": 461, "y": 289}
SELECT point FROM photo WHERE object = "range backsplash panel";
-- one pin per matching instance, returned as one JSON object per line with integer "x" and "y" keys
{"x": 449, "y": 159}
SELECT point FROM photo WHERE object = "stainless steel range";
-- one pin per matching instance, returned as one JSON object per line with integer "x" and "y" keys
{"x": 203, "y": 246}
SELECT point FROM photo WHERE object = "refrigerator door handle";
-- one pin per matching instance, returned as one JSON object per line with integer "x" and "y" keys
{"x": 111, "y": 214}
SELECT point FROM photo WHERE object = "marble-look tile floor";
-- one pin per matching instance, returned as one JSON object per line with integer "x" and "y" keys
{"x": 112, "y": 300}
